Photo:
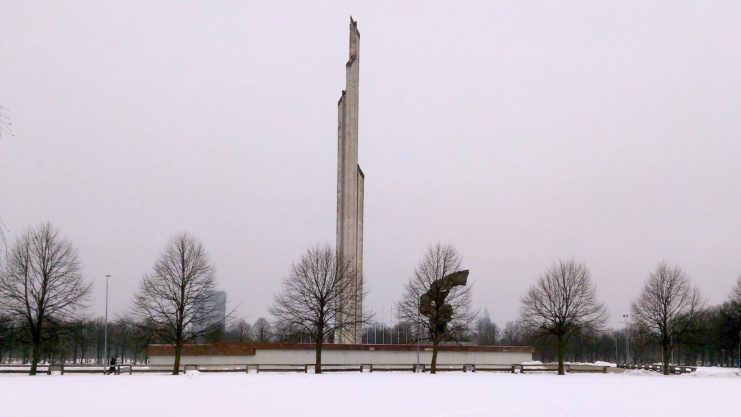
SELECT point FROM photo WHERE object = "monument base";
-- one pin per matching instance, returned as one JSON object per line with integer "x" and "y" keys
{"x": 337, "y": 354}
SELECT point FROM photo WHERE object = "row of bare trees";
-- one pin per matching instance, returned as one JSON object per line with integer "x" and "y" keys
{"x": 43, "y": 292}
{"x": 563, "y": 303}
{"x": 560, "y": 312}
{"x": 323, "y": 283}
{"x": 711, "y": 338}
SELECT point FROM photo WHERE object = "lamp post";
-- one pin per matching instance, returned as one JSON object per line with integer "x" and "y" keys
{"x": 627, "y": 347}
{"x": 105, "y": 342}
{"x": 616, "y": 347}
{"x": 419, "y": 330}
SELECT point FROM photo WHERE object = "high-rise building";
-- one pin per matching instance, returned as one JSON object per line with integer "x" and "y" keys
{"x": 210, "y": 312}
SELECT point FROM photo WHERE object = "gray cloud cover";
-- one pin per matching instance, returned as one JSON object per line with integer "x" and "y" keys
{"x": 522, "y": 132}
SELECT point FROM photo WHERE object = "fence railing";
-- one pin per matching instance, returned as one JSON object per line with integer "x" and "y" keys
{"x": 367, "y": 367}
{"x": 306, "y": 368}
{"x": 69, "y": 368}
{"x": 673, "y": 369}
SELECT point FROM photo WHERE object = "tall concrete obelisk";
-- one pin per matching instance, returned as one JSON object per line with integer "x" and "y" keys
{"x": 350, "y": 181}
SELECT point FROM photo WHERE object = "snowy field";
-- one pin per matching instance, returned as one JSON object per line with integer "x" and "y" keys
{"x": 709, "y": 392}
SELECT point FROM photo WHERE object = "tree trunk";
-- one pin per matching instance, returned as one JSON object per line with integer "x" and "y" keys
{"x": 36, "y": 349}
{"x": 178, "y": 349}
{"x": 35, "y": 355}
{"x": 666, "y": 354}
{"x": 561, "y": 349}
{"x": 318, "y": 363}
{"x": 433, "y": 364}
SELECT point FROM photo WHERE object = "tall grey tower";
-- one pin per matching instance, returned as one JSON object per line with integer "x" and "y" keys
{"x": 350, "y": 180}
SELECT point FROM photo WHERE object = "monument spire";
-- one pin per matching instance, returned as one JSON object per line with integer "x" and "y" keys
{"x": 350, "y": 183}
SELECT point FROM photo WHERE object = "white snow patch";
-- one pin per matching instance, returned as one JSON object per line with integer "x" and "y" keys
{"x": 370, "y": 394}
{"x": 598, "y": 363}
{"x": 705, "y": 371}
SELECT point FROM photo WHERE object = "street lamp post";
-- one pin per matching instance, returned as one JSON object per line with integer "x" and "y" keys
{"x": 105, "y": 342}
{"x": 627, "y": 347}
{"x": 616, "y": 347}
{"x": 419, "y": 330}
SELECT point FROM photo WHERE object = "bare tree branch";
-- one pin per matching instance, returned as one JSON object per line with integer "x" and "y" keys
{"x": 562, "y": 303}
{"x": 175, "y": 299}
{"x": 5, "y": 123}
{"x": 41, "y": 283}
{"x": 667, "y": 306}
{"x": 319, "y": 287}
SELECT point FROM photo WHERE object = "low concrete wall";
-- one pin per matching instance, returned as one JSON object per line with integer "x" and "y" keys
{"x": 368, "y": 354}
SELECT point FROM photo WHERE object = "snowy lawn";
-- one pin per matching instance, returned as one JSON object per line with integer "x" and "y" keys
{"x": 635, "y": 394}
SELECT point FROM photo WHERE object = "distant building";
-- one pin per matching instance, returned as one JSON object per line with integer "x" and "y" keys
{"x": 211, "y": 312}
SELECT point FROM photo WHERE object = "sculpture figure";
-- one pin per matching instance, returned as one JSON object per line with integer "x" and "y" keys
{"x": 432, "y": 303}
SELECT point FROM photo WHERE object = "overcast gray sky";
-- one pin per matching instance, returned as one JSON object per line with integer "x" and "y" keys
{"x": 522, "y": 132}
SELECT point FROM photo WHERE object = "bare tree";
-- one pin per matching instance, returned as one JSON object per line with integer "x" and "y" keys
{"x": 513, "y": 334}
{"x": 3, "y": 246}
{"x": 5, "y": 129}
{"x": 5, "y": 123}
{"x": 667, "y": 307}
{"x": 562, "y": 303}
{"x": 320, "y": 285}
{"x": 239, "y": 331}
{"x": 42, "y": 284}
{"x": 262, "y": 330}
{"x": 176, "y": 299}
{"x": 439, "y": 261}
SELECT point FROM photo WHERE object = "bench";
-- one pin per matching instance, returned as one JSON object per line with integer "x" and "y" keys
{"x": 55, "y": 368}
{"x": 448, "y": 368}
{"x": 393, "y": 368}
{"x": 340, "y": 368}
{"x": 282, "y": 368}
{"x": 495, "y": 368}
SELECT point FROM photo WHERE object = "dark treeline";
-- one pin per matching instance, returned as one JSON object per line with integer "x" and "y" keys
{"x": 80, "y": 341}
{"x": 712, "y": 339}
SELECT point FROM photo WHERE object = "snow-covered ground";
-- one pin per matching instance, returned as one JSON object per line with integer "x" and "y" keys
{"x": 716, "y": 372}
{"x": 709, "y": 392}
